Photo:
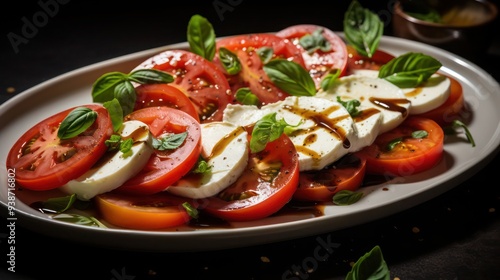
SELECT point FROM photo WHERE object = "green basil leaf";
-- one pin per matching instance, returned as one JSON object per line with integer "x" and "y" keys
{"x": 265, "y": 54}
{"x": 315, "y": 41}
{"x": 370, "y": 266}
{"x": 246, "y": 97}
{"x": 113, "y": 143}
{"x": 169, "y": 142}
{"x": 419, "y": 134}
{"x": 458, "y": 124}
{"x": 409, "y": 69}
{"x": 201, "y": 166}
{"x": 346, "y": 197}
{"x": 126, "y": 147}
{"x": 390, "y": 146}
{"x": 150, "y": 76}
{"x": 115, "y": 112}
{"x": 266, "y": 130}
{"x": 201, "y": 37}
{"x": 290, "y": 77}
{"x": 362, "y": 29}
{"x": 230, "y": 61}
{"x": 126, "y": 95}
{"x": 330, "y": 79}
{"x": 103, "y": 88}
{"x": 59, "y": 204}
{"x": 76, "y": 122}
{"x": 351, "y": 106}
{"x": 192, "y": 211}
{"x": 79, "y": 220}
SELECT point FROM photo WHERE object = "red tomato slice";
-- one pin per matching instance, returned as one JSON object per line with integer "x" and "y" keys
{"x": 204, "y": 84}
{"x": 451, "y": 109}
{"x": 266, "y": 185}
{"x": 150, "y": 212}
{"x": 164, "y": 95}
{"x": 252, "y": 74}
{"x": 358, "y": 62}
{"x": 321, "y": 185}
{"x": 411, "y": 155}
{"x": 165, "y": 167}
{"x": 318, "y": 63}
{"x": 43, "y": 161}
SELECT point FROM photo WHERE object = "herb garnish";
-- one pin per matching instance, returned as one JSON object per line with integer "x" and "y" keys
{"x": 363, "y": 29}
{"x": 201, "y": 37}
{"x": 76, "y": 122}
{"x": 409, "y": 70}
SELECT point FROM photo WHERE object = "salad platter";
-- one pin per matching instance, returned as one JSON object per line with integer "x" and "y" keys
{"x": 460, "y": 161}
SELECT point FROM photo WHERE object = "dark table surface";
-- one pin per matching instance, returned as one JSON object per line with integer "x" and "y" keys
{"x": 458, "y": 234}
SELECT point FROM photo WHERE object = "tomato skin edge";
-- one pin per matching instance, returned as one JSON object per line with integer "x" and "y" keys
{"x": 322, "y": 193}
{"x": 123, "y": 210}
{"x": 406, "y": 166}
{"x": 78, "y": 164}
{"x": 453, "y": 108}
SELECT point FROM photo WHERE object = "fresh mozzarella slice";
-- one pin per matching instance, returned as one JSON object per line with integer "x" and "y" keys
{"x": 325, "y": 130}
{"x": 112, "y": 170}
{"x": 373, "y": 94}
{"x": 427, "y": 96}
{"x": 225, "y": 148}
{"x": 367, "y": 126}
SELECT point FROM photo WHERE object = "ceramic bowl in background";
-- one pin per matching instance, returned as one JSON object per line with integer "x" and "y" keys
{"x": 464, "y": 27}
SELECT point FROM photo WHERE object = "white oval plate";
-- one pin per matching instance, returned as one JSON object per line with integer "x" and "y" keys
{"x": 460, "y": 162}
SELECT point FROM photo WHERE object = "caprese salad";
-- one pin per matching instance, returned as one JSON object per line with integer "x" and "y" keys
{"x": 240, "y": 126}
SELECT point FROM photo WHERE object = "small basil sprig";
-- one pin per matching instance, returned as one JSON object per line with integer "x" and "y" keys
{"x": 169, "y": 142}
{"x": 409, "y": 69}
{"x": 115, "y": 112}
{"x": 201, "y": 166}
{"x": 201, "y": 37}
{"x": 119, "y": 85}
{"x": 79, "y": 220}
{"x": 451, "y": 129}
{"x": 363, "y": 29}
{"x": 290, "y": 77}
{"x": 315, "y": 41}
{"x": 266, "y": 130}
{"x": 115, "y": 142}
{"x": 346, "y": 197}
{"x": 330, "y": 79}
{"x": 246, "y": 97}
{"x": 265, "y": 54}
{"x": 417, "y": 134}
{"x": 229, "y": 61}
{"x": 192, "y": 211}
{"x": 351, "y": 106}
{"x": 59, "y": 204}
{"x": 76, "y": 122}
{"x": 370, "y": 266}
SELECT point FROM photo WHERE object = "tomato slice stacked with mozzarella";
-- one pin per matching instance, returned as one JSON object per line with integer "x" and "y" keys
{"x": 43, "y": 161}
